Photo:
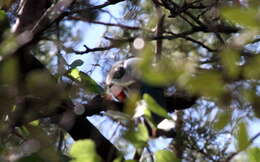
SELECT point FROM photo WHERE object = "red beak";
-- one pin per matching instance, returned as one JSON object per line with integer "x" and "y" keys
{"x": 118, "y": 92}
{"x": 121, "y": 96}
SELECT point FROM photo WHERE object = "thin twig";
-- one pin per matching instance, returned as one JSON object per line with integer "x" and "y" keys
{"x": 87, "y": 49}
{"x": 106, "y": 4}
{"x": 104, "y": 23}
{"x": 230, "y": 157}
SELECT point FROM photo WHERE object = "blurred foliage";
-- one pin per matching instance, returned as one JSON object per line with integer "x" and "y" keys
{"x": 84, "y": 151}
{"x": 154, "y": 107}
{"x": 222, "y": 120}
{"x": 248, "y": 17}
{"x": 168, "y": 70}
{"x": 9, "y": 72}
{"x": 4, "y": 23}
{"x": 7, "y": 40}
{"x": 213, "y": 80}
{"x": 251, "y": 69}
{"x": 137, "y": 136}
{"x": 130, "y": 105}
{"x": 253, "y": 154}
{"x": 230, "y": 59}
{"x": 165, "y": 156}
{"x": 5, "y": 4}
{"x": 242, "y": 137}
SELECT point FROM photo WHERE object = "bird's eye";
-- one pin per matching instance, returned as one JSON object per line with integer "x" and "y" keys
{"x": 119, "y": 73}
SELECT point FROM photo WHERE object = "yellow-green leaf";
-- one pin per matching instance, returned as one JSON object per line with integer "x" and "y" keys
{"x": 230, "y": 59}
{"x": 242, "y": 136}
{"x": 138, "y": 136}
{"x": 75, "y": 74}
{"x": 248, "y": 17}
{"x": 165, "y": 156}
{"x": 84, "y": 151}
{"x": 9, "y": 71}
{"x": 207, "y": 83}
{"x": 155, "y": 107}
{"x": 251, "y": 69}
{"x": 35, "y": 123}
{"x": 222, "y": 120}
{"x": 253, "y": 154}
{"x": 85, "y": 80}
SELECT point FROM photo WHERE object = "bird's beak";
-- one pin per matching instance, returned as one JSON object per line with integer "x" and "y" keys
{"x": 118, "y": 92}
{"x": 121, "y": 96}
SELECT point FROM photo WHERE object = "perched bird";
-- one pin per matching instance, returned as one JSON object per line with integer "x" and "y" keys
{"x": 124, "y": 79}
{"x": 121, "y": 77}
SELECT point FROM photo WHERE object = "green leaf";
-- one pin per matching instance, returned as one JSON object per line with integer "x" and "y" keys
{"x": 75, "y": 73}
{"x": 230, "y": 59}
{"x": 35, "y": 123}
{"x": 76, "y": 63}
{"x": 40, "y": 83}
{"x": 23, "y": 131}
{"x": 9, "y": 71}
{"x": 155, "y": 75}
{"x": 155, "y": 107}
{"x": 2, "y": 15}
{"x": 254, "y": 99}
{"x": 222, "y": 120}
{"x": 84, "y": 151}
{"x": 8, "y": 45}
{"x": 251, "y": 69}
{"x": 247, "y": 17}
{"x": 138, "y": 136}
{"x": 142, "y": 132}
{"x": 242, "y": 136}
{"x": 120, "y": 159}
{"x": 165, "y": 156}
{"x": 167, "y": 70}
{"x": 208, "y": 83}
{"x": 253, "y": 154}
{"x": 90, "y": 84}
{"x": 130, "y": 104}
{"x": 4, "y": 23}
{"x": 85, "y": 80}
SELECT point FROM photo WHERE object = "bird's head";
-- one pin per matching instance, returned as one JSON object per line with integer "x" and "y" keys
{"x": 121, "y": 78}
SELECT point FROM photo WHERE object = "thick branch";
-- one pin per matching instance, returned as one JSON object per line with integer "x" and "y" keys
{"x": 27, "y": 63}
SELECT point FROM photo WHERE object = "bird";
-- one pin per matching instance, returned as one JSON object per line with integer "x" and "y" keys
{"x": 124, "y": 79}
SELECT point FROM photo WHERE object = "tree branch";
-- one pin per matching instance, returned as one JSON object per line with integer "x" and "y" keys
{"x": 87, "y": 49}
{"x": 105, "y": 23}
{"x": 106, "y": 4}
{"x": 26, "y": 35}
{"x": 230, "y": 157}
